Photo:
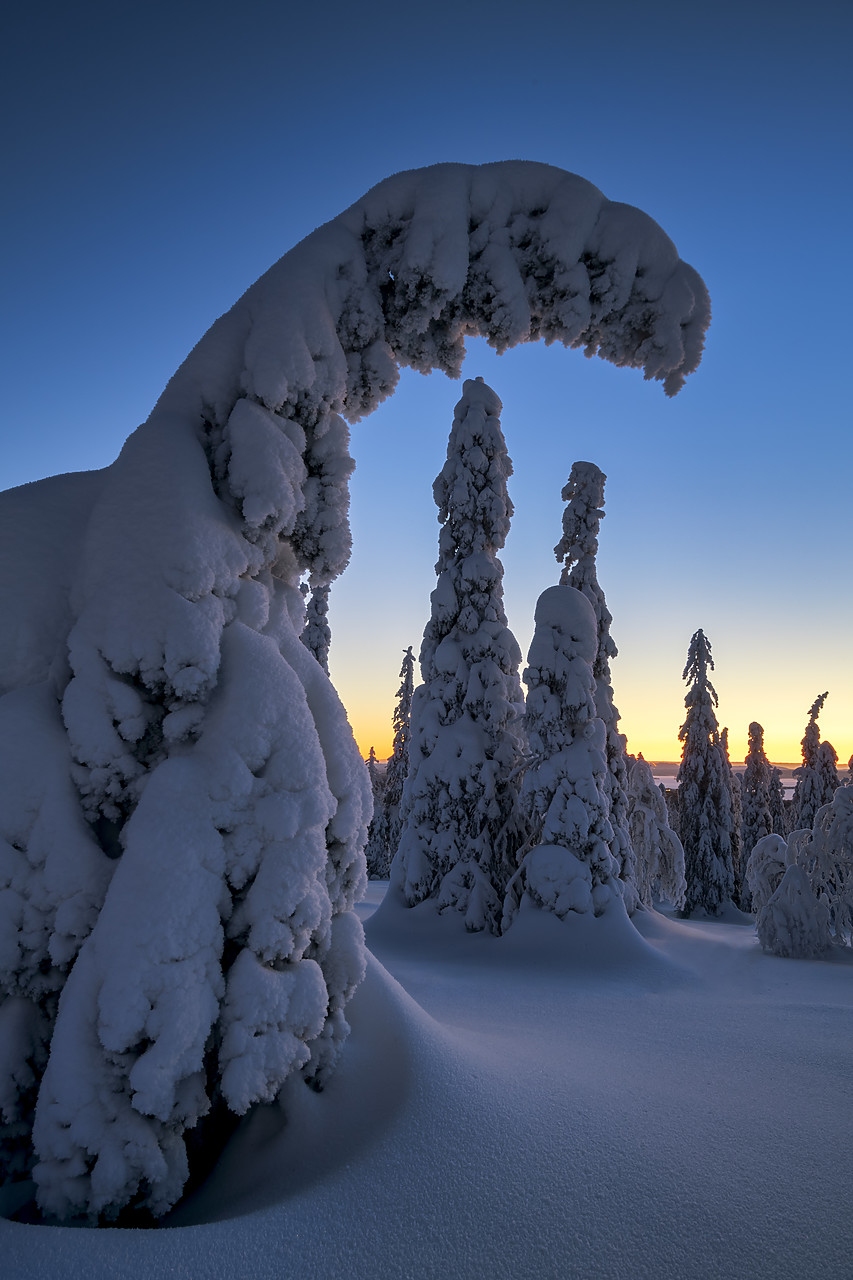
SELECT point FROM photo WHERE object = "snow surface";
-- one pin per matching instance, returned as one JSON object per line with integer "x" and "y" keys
{"x": 556, "y": 1102}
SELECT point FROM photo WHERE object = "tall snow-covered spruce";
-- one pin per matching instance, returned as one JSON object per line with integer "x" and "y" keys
{"x": 577, "y": 550}
{"x": 567, "y": 864}
{"x": 184, "y": 807}
{"x": 459, "y": 830}
{"x": 704, "y": 791}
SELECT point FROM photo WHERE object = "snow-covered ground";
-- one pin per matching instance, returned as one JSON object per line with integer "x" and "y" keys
{"x": 566, "y": 1101}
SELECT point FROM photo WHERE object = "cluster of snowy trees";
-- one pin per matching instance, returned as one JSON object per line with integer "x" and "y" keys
{"x": 508, "y": 799}
{"x": 734, "y": 829}
{"x": 184, "y": 810}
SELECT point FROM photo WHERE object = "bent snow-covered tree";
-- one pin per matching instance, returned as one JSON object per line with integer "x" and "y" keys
{"x": 460, "y": 802}
{"x": 184, "y": 812}
{"x": 567, "y": 864}
{"x": 577, "y": 549}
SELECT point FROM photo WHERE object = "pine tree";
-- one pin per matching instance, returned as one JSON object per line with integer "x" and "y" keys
{"x": 703, "y": 791}
{"x": 577, "y": 549}
{"x": 376, "y": 851}
{"x": 757, "y": 789}
{"x": 317, "y": 634}
{"x": 660, "y": 857}
{"x": 809, "y": 793}
{"x": 460, "y": 827}
{"x": 397, "y": 768}
{"x": 567, "y": 863}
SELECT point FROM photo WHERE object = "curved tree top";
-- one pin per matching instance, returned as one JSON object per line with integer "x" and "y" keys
{"x": 513, "y": 251}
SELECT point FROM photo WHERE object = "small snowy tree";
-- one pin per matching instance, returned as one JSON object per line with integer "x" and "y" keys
{"x": 577, "y": 550}
{"x": 736, "y": 803}
{"x": 810, "y": 792}
{"x": 794, "y": 922}
{"x": 459, "y": 831}
{"x": 317, "y": 634}
{"x": 704, "y": 794}
{"x": 376, "y": 851}
{"x": 757, "y": 796}
{"x": 387, "y": 821}
{"x": 765, "y": 868}
{"x": 567, "y": 864}
{"x": 660, "y": 857}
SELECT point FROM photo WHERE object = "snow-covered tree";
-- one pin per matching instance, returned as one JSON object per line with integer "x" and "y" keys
{"x": 758, "y": 804}
{"x": 828, "y": 780}
{"x": 459, "y": 814}
{"x": 658, "y": 851}
{"x": 184, "y": 808}
{"x": 704, "y": 794}
{"x": 794, "y": 922}
{"x": 567, "y": 864}
{"x": 828, "y": 857}
{"x": 577, "y": 549}
{"x": 765, "y": 868}
{"x": 376, "y": 851}
{"x": 810, "y": 791}
{"x": 387, "y": 820}
{"x": 317, "y": 634}
{"x": 736, "y": 803}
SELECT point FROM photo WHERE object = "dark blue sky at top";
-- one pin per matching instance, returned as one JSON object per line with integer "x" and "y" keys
{"x": 158, "y": 158}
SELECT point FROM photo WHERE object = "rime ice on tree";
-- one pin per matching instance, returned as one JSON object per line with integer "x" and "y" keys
{"x": 577, "y": 549}
{"x": 567, "y": 865}
{"x": 657, "y": 849}
{"x": 704, "y": 795}
{"x": 458, "y": 835}
{"x": 186, "y": 807}
{"x": 317, "y": 634}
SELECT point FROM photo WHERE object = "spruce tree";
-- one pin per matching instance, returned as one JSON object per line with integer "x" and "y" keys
{"x": 809, "y": 793}
{"x": 460, "y": 827}
{"x": 736, "y": 803}
{"x": 577, "y": 550}
{"x": 567, "y": 864}
{"x": 704, "y": 793}
{"x": 376, "y": 850}
{"x": 757, "y": 789}
{"x": 660, "y": 857}
{"x": 397, "y": 768}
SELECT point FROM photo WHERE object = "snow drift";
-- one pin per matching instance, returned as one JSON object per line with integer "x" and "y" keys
{"x": 182, "y": 844}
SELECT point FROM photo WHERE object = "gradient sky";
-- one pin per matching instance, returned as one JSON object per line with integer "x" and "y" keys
{"x": 159, "y": 158}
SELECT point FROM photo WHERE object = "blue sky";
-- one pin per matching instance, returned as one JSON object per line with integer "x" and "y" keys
{"x": 159, "y": 161}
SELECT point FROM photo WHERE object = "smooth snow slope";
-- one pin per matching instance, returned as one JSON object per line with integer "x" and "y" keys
{"x": 527, "y": 1107}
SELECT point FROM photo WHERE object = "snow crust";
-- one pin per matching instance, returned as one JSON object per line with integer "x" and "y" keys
{"x": 570, "y": 1099}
